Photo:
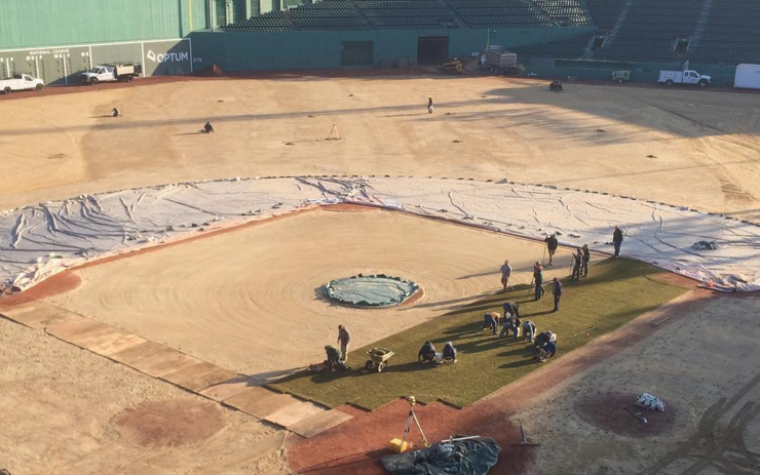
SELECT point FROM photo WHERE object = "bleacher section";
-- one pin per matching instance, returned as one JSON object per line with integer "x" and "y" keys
{"x": 273, "y": 21}
{"x": 406, "y": 14}
{"x": 731, "y": 34}
{"x": 570, "y": 48}
{"x": 651, "y": 30}
{"x": 506, "y": 13}
{"x": 326, "y": 15}
{"x": 605, "y": 12}
{"x": 564, "y": 12}
{"x": 419, "y": 14}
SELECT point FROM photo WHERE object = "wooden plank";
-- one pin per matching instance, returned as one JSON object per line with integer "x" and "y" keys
{"x": 247, "y": 399}
{"x": 37, "y": 315}
{"x": 199, "y": 376}
{"x": 99, "y": 334}
{"x": 121, "y": 343}
{"x": 130, "y": 356}
{"x": 319, "y": 423}
{"x": 229, "y": 388}
{"x": 164, "y": 361}
{"x": 271, "y": 405}
{"x": 71, "y": 327}
{"x": 294, "y": 413}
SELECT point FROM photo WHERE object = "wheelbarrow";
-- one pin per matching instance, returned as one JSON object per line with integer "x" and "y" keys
{"x": 378, "y": 359}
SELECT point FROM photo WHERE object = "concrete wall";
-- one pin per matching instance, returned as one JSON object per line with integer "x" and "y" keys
{"x": 61, "y": 65}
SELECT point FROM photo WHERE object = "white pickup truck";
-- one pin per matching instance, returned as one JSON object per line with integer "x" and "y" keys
{"x": 21, "y": 82}
{"x": 684, "y": 77}
{"x": 119, "y": 72}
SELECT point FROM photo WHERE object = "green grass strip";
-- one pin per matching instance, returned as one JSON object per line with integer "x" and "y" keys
{"x": 616, "y": 291}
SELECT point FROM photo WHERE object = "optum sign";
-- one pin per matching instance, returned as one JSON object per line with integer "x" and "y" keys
{"x": 167, "y": 57}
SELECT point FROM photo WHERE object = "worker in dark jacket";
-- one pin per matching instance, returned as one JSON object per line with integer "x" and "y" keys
{"x": 586, "y": 260}
{"x": 208, "y": 128}
{"x": 557, "y": 292}
{"x": 427, "y": 352}
{"x": 617, "y": 240}
{"x": 512, "y": 307}
{"x": 538, "y": 278}
{"x": 551, "y": 244}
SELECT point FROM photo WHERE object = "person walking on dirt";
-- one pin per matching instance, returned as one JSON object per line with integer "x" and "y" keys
{"x": 491, "y": 320}
{"x": 430, "y": 105}
{"x": 344, "y": 338}
{"x": 551, "y": 244}
{"x": 577, "y": 261}
{"x": 506, "y": 272}
{"x": 557, "y": 292}
{"x": 586, "y": 259}
{"x": 617, "y": 240}
{"x": 512, "y": 307}
{"x": 538, "y": 278}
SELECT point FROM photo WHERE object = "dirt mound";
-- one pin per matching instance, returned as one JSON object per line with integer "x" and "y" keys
{"x": 607, "y": 412}
{"x": 169, "y": 423}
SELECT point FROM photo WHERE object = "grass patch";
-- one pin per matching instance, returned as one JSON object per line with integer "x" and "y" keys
{"x": 617, "y": 291}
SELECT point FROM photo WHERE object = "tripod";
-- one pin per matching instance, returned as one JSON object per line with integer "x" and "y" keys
{"x": 412, "y": 417}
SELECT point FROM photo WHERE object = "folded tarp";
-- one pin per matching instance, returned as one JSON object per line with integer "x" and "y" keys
{"x": 471, "y": 456}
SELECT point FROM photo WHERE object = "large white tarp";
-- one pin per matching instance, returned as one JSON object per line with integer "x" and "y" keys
{"x": 38, "y": 241}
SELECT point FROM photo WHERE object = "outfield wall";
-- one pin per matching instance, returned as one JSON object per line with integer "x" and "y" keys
{"x": 298, "y": 50}
{"x": 722, "y": 75}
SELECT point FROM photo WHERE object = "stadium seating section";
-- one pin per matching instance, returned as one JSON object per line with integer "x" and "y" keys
{"x": 635, "y": 29}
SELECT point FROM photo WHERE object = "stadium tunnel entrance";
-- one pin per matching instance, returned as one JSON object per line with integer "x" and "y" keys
{"x": 432, "y": 49}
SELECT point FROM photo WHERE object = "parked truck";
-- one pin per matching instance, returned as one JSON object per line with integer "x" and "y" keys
{"x": 108, "y": 73}
{"x": 499, "y": 61}
{"x": 747, "y": 76}
{"x": 21, "y": 82}
{"x": 688, "y": 76}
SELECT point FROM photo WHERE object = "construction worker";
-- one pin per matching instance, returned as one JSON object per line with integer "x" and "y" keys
{"x": 538, "y": 279}
{"x": 586, "y": 259}
{"x": 617, "y": 240}
{"x": 491, "y": 320}
{"x": 551, "y": 245}
{"x": 430, "y": 105}
{"x": 548, "y": 350}
{"x": 115, "y": 112}
{"x": 333, "y": 358}
{"x": 511, "y": 322}
{"x": 557, "y": 292}
{"x": 506, "y": 272}
{"x": 426, "y": 353}
{"x": 449, "y": 352}
{"x": 344, "y": 338}
{"x": 208, "y": 128}
{"x": 577, "y": 260}
{"x": 512, "y": 307}
{"x": 528, "y": 330}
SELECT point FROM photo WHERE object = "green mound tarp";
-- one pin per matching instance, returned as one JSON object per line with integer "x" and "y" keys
{"x": 378, "y": 290}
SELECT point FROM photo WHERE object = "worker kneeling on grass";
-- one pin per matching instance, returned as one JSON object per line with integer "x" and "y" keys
{"x": 547, "y": 351}
{"x": 427, "y": 352}
{"x": 511, "y": 323}
{"x": 491, "y": 320}
{"x": 449, "y": 352}
{"x": 333, "y": 359}
{"x": 542, "y": 339}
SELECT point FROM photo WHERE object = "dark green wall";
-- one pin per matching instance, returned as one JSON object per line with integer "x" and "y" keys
{"x": 295, "y": 50}
{"x": 640, "y": 71}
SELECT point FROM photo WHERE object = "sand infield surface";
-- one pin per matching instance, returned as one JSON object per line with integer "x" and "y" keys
{"x": 250, "y": 300}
